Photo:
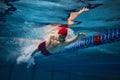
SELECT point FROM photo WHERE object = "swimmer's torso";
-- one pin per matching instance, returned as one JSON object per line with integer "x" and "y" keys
{"x": 54, "y": 45}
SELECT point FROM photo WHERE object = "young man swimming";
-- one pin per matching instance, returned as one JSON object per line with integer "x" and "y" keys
{"x": 58, "y": 41}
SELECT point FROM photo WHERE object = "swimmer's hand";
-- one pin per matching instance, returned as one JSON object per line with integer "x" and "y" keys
{"x": 85, "y": 9}
{"x": 81, "y": 34}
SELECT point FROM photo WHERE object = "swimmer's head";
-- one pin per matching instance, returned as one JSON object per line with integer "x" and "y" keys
{"x": 61, "y": 38}
{"x": 63, "y": 31}
{"x": 62, "y": 34}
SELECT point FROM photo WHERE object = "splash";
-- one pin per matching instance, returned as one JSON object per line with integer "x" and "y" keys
{"x": 26, "y": 51}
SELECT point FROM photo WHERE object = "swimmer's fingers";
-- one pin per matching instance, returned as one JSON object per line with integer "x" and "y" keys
{"x": 85, "y": 9}
{"x": 82, "y": 34}
{"x": 79, "y": 34}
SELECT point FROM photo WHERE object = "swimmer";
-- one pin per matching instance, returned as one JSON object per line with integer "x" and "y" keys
{"x": 58, "y": 41}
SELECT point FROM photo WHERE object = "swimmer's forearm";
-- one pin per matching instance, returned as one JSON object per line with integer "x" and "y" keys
{"x": 77, "y": 37}
{"x": 73, "y": 15}
{"x": 72, "y": 39}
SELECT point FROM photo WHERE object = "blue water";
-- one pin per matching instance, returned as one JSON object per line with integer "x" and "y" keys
{"x": 25, "y": 27}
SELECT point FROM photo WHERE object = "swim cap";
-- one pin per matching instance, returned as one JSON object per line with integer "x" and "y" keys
{"x": 63, "y": 30}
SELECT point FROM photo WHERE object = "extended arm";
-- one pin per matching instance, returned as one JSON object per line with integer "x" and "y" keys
{"x": 73, "y": 15}
{"x": 75, "y": 38}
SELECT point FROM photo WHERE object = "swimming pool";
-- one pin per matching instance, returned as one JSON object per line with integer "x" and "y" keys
{"x": 25, "y": 26}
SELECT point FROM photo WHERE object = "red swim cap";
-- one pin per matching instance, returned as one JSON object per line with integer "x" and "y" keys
{"x": 63, "y": 30}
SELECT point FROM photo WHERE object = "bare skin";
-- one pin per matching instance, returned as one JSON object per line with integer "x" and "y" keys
{"x": 55, "y": 40}
{"x": 73, "y": 15}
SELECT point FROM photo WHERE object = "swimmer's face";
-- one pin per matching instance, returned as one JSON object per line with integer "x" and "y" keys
{"x": 61, "y": 38}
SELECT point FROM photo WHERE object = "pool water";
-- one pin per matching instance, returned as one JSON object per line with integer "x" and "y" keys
{"x": 24, "y": 28}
